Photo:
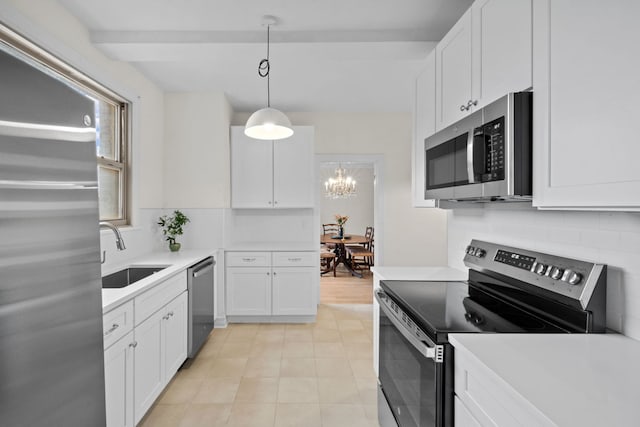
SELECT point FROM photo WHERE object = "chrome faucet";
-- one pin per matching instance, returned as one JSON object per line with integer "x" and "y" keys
{"x": 119, "y": 242}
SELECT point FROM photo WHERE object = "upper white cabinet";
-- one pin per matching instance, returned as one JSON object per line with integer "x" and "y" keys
{"x": 586, "y": 104}
{"x": 485, "y": 55}
{"x": 424, "y": 125}
{"x": 272, "y": 174}
{"x": 453, "y": 73}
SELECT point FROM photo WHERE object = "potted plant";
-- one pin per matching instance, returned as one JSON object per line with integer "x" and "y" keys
{"x": 172, "y": 227}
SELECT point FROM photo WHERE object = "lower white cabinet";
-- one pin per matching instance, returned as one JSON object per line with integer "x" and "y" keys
{"x": 118, "y": 372}
{"x": 140, "y": 364}
{"x": 272, "y": 283}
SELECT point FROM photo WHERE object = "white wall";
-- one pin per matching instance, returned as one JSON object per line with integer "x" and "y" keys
{"x": 411, "y": 236}
{"x": 359, "y": 208}
{"x": 196, "y": 164}
{"x": 611, "y": 238}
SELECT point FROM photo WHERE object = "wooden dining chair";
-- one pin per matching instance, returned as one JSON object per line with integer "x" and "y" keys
{"x": 327, "y": 261}
{"x": 361, "y": 256}
{"x": 332, "y": 229}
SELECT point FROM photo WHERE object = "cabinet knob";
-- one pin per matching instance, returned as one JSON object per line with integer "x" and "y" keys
{"x": 113, "y": 328}
{"x": 269, "y": 202}
{"x": 274, "y": 273}
{"x": 268, "y": 274}
{"x": 463, "y": 108}
{"x": 472, "y": 103}
{"x": 275, "y": 203}
{"x": 133, "y": 344}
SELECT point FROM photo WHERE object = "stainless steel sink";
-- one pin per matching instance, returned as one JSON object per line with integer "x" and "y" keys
{"x": 128, "y": 276}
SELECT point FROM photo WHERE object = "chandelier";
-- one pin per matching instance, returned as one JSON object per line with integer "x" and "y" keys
{"x": 340, "y": 187}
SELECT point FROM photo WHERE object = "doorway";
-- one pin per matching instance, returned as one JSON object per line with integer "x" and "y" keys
{"x": 364, "y": 209}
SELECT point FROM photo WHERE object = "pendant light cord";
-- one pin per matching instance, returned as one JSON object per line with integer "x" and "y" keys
{"x": 264, "y": 68}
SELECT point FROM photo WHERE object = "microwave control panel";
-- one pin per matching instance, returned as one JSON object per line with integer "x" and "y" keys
{"x": 489, "y": 149}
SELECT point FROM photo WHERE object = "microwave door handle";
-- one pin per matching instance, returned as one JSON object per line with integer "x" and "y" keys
{"x": 424, "y": 347}
{"x": 470, "y": 151}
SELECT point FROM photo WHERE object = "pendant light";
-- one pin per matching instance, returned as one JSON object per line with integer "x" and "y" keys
{"x": 268, "y": 123}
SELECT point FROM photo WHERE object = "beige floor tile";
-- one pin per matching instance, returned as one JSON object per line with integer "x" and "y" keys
{"x": 206, "y": 415}
{"x": 371, "y": 412}
{"x": 210, "y": 349}
{"x": 298, "y": 390}
{"x": 271, "y": 327}
{"x": 242, "y": 335}
{"x": 298, "y": 415}
{"x": 257, "y": 390}
{"x": 329, "y": 349}
{"x": 180, "y": 390}
{"x": 252, "y": 415}
{"x": 368, "y": 390}
{"x": 341, "y": 415}
{"x": 231, "y": 349}
{"x": 298, "y": 326}
{"x": 359, "y": 350}
{"x": 164, "y": 416}
{"x": 228, "y": 367}
{"x": 244, "y": 326}
{"x": 266, "y": 350}
{"x": 338, "y": 390}
{"x": 327, "y": 323}
{"x": 355, "y": 336}
{"x": 270, "y": 336}
{"x": 218, "y": 335}
{"x": 217, "y": 390}
{"x": 298, "y": 335}
{"x": 348, "y": 325}
{"x": 333, "y": 367}
{"x": 297, "y": 349}
{"x": 297, "y": 367}
{"x": 326, "y": 335}
{"x": 197, "y": 368}
{"x": 362, "y": 368}
{"x": 260, "y": 367}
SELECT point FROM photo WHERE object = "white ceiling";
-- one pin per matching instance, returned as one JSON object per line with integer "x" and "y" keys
{"x": 326, "y": 55}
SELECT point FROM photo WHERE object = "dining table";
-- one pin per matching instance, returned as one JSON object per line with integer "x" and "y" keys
{"x": 341, "y": 251}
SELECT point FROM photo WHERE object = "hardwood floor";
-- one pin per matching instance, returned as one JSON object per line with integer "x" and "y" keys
{"x": 345, "y": 288}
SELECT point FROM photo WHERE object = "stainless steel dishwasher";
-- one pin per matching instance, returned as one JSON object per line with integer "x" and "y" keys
{"x": 201, "y": 303}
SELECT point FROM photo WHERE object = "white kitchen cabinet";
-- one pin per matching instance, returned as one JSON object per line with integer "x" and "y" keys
{"x": 424, "y": 125}
{"x": 453, "y": 73}
{"x": 118, "y": 373}
{"x": 484, "y": 399}
{"x": 160, "y": 348}
{"x": 586, "y": 105}
{"x": 272, "y": 174}
{"x": 272, "y": 283}
{"x": 485, "y": 55}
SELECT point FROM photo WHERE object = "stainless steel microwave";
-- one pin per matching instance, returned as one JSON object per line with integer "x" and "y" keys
{"x": 484, "y": 157}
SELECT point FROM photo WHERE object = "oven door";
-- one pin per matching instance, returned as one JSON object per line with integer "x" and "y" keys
{"x": 412, "y": 375}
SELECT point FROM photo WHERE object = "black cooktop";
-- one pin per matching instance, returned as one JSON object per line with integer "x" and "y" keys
{"x": 440, "y": 308}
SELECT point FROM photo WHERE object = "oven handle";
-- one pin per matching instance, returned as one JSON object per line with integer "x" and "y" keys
{"x": 425, "y": 346}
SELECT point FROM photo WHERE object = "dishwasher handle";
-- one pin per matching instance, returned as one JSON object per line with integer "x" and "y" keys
{"x": 203, "y": 268}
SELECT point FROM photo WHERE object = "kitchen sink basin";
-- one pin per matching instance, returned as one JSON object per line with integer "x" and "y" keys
{"x": 128, "y": 276}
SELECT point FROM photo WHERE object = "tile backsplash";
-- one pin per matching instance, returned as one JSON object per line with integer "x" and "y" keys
{"x": 611, "y": 238}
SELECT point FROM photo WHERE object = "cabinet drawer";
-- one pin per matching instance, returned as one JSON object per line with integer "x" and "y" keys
{"x": 152, "y": 300}
{"x": 248, "y": 259}
{"x": 295, "y": 259}
{"x": 117, "y": 323}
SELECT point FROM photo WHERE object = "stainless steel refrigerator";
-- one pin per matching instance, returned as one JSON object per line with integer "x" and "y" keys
{"x": 51, "y": 351}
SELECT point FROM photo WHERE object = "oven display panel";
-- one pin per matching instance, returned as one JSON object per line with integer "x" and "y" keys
{"x": 514, "y": 259}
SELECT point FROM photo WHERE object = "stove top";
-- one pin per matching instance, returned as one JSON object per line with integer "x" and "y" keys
{"x": 440, "y": 308}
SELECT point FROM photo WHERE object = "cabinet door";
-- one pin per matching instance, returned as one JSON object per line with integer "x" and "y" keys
{"x": 174, "y": 335}
{"x": 251, "y": 171}
{"x": 148, "y": 364}
{"x": 424, "y": 119}
{"x": 586, "y": 108}
{"x": 453, "y": 73}
{"x": 248, "y": 291}
{"x": 293, "y": 177}
{"x": 294, "y": 292}
{"x": 501, "y": 51}
{"x": 118, "y": 373}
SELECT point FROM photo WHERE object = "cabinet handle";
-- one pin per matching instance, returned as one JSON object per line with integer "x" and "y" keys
{"x": 268, "y": 274}
{"x": 274, "y": 273}
{"x": 248, "y": 259}
{"x": 113, "y": 328}
{"x": 275, "y": 203}
{"x": 463, "y": 108}
{"x": 170, "y": 314}
{"x": 269, "y": 201}
{"x": 295, "y": 259}
{"x": 133, "y": 344}
{"x": 472, "y": 103}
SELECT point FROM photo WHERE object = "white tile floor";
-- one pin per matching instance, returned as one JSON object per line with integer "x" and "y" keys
{"x": 276, "y": 375}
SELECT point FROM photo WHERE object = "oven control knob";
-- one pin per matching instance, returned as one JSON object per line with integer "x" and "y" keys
{"x": 480, "y": 252}
{"x": 470, "y": 250}
{"x": 540, "y": 269}
{"x": 572, "y": 277}
{"x": 556, "y": 273}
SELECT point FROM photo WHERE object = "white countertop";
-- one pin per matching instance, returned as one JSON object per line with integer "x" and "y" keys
{"x": 420, "y": 273}
{"x": 176, "y": 262}
{"x": 272, "y": 247}
{"x": 573, "y": 379}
